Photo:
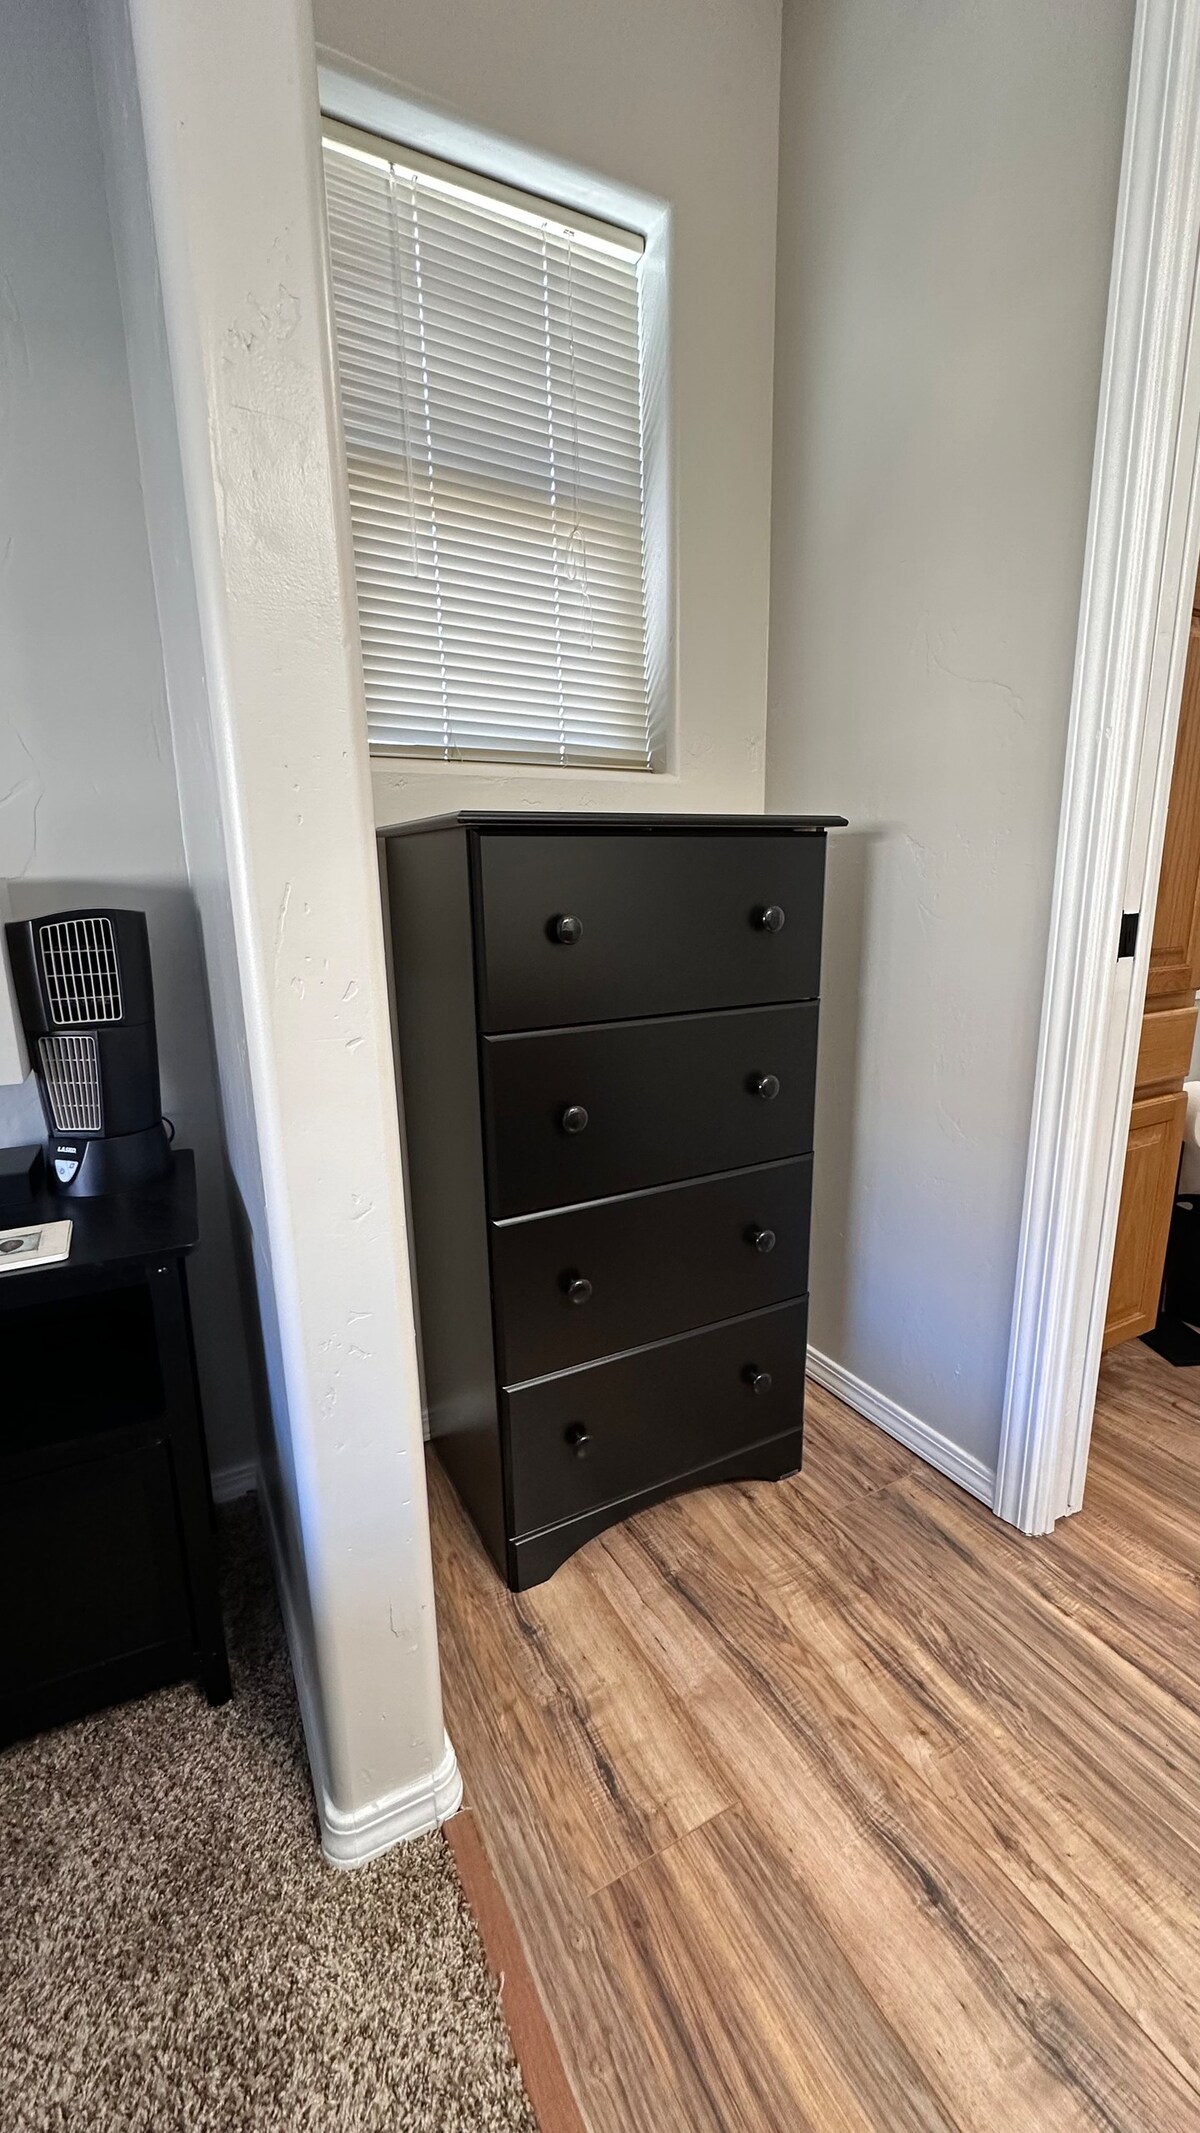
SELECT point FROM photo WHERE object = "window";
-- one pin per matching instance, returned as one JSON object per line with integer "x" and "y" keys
{"x": 490, "y": 367}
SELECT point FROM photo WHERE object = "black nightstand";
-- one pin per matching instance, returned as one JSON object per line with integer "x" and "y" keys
{"x": 107, "y": 1584}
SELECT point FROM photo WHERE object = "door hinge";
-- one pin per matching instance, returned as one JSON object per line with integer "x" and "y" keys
{"x": 1127, "y": 938}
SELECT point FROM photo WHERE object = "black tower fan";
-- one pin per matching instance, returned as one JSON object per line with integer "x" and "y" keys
{"x": 87, "y": 1002}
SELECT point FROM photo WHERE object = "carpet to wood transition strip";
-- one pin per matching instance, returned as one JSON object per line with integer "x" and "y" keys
{"x": 532, "y": 2040}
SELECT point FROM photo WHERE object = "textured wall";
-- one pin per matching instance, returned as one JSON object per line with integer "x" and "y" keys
{"x": 89, "y": 811}
{"x": 948, "y": 185}
{"x": 214, "y": 175}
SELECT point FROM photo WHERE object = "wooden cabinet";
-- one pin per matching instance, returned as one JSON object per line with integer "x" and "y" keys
{"x": 1168, "y": 1029}
{"x": 607, "y": 1036}
{"x": 1147, "y": 1195}
{"x": 1175, "y": 954}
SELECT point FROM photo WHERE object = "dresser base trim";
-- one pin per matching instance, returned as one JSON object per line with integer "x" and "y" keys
{"x": 972, "y": 1474}
{"x": 536, "y": 1556}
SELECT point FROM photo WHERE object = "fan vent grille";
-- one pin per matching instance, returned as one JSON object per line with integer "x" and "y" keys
{"x": 79, "y": 964}
{"x": 71, "y": 1072}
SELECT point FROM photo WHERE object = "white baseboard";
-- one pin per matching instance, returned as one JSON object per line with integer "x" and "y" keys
{"x": 928, "y": 1443}
{"x": 349, "y": 1840}
{"x": 230, "y": 1482}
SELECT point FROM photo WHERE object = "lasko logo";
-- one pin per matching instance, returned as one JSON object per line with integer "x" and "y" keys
{"x": 68, "y": 1156}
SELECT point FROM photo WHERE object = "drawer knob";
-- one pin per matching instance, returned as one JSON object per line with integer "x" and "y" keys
{"x": 765, "y": 1086}
{"x": 565, "y": 930}
{"x": 579, "y": 1441}
{"x": 577, "y": 1288}
{"x": 758, "y": 1380}
{"x": 763, "y": 1240}
{"x": 573, "y": 1119}
{"x": 770, "y": 918}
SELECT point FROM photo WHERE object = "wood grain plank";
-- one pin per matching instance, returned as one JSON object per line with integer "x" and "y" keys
{"x": 1104, "y": 1584}
{"x": 725, "y": 1934}
{"x": 1088, "y": 1710}
{"x": 841, "y": 1462}
{"x": 958, "y": 1886}
{"x": 868, "y": 1654}
{"x": 617, "y": 2068}
{"x": 1006, "y": 2025}
{"x": 627, "y": 1732}
{"x": 619, "y": 1753}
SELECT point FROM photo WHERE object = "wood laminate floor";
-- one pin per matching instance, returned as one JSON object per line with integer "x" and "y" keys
{"x": 836, "y": 1804}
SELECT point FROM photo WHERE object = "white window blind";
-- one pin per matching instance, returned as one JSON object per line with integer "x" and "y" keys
{"x": 490, "y": 371}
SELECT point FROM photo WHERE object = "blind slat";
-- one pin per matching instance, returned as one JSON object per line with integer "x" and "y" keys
{"x": 490, "y": 377}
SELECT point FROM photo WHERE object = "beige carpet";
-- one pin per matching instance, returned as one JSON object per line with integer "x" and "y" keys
{"x": 174, "y": 1953}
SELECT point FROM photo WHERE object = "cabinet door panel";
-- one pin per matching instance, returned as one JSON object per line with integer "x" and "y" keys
{"x": 1165, "y": 1050}
{"x": 90, "y": 1571}
{"x": 1147, "y": 1196}
{"x": 1175, "y": 950}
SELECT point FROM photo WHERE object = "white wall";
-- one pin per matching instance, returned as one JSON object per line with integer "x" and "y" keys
{"x": 677, "y": 102}
{"x": 88, "y": 806}
{"x": 948, "y": 185}
{"x": 14, "y": 1052}
{"x": 213, "y": 175}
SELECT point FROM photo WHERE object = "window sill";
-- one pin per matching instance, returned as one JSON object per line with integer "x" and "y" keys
{"x": 405, "y": 787}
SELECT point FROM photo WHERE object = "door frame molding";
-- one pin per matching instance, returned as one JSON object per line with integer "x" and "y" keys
{"x": 1138, "y": 578}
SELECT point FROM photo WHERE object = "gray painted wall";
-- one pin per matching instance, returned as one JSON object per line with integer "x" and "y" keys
{"x": 948, "y": 179}
{"x": 947, "y": 196}
{"x": 88, "y": 804}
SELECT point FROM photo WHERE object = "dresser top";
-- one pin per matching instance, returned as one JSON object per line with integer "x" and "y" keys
{"x": 540, "y": 819}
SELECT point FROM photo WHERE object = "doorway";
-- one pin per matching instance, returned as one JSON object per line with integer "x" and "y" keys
{"x": 1152, "y": 1232}
{"x": 1148, "y": 1395}
{"x": 1134, "y": 634}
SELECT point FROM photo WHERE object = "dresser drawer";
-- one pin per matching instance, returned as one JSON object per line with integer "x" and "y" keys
{"x": 638, "y": 1421}
{"x": 651, "y": 1102}
{"x": 660, "y": 924}
{"x": 592, "y": 1280}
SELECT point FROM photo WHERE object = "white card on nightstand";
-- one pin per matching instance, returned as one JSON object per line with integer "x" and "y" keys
{"x": 41, "y": 1244}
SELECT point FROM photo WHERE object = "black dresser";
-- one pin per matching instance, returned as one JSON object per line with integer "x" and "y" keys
{"x": 607, "y": 1034}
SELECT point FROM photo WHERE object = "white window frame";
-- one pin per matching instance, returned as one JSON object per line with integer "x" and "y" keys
{"x": 466, "y": 153}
